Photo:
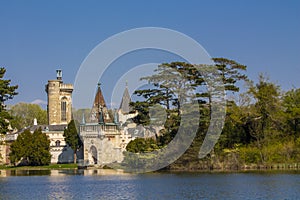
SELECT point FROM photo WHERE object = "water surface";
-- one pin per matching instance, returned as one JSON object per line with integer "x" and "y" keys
{"x": 101, "y": 184}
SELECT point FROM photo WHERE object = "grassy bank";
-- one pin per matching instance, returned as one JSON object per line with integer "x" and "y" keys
{"x": 51, "y": 166}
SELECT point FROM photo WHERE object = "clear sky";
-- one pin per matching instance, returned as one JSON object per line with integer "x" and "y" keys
{"x": 37, "y": 37}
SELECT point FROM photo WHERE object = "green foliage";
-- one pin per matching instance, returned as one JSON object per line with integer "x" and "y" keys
{"x": 250, "y": 155}
{"x": 24, "y": 114}
{"x": 72, "y": 138}
{"x": 78, "y": 114}
{"x": 263, "y": 123}
{"x": 142, "y": 145}
{"x": 235, "y": 128}
{"x": 285, "y": 151}
{"x": 261, "y": 127}
{"x": 31, "y": 149}
{"x": 172, "y": 83}
{"x": 41, "y": 168}
{"x": 291, "y": 104}
{"x": 143, "y": 109}
{"x": 6, "y": 92}
{"x": 231, "y": 72}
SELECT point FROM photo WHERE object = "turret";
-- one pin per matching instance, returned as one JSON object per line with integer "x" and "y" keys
{"x": 59, "y": 108}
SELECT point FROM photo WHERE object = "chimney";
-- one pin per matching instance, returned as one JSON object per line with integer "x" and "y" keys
{"x": 59, "y": 74}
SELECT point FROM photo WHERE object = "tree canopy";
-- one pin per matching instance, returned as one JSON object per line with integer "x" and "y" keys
{"x": 6, "y": 92}
{"x": 24, "y": 113}
{"x": 31, "y": 149}
{"x": 261, "y": 124}
{"x": 291, "y": 103}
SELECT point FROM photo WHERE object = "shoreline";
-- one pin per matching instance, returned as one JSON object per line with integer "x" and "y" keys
{"x": 282, "y": 168}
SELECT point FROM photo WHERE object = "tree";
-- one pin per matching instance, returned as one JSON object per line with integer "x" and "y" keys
{"x": 263, "y": 123}
{"x": 179, "y": 83}
{"x": 165, "y": 83}
{"x": 171, "y": 87}
{"x": 24, "y": 114}
{"x": 79, "y": 114}
{"x": 31, "y": 149}
{"x": 231, "y": 72}
{"x": 40, "y": 154}
{"x": 291, "y": 104}
{"x": 233, "y": 132}
{"x": 6, "y": 92}
{"x": 72, "y": 138}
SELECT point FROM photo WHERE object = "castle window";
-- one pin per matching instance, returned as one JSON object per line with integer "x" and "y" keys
{"x": 57, "y": 143}
{"x": 63, "y": 110}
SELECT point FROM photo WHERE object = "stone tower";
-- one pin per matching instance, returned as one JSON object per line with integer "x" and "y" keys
{"x": 59, "y": 106}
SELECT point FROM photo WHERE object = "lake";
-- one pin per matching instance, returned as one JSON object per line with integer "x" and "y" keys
{"x": 107, "y": 184}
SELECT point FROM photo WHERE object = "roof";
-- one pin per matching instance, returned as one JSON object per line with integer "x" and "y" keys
{"x": 99, "y": 99}
{"x": 59, "y": 128}
{"x": 49, "y": 127}
{"x": 99, "y": 106}
{"x": 124, "y": 106}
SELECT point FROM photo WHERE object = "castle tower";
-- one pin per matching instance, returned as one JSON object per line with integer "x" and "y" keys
{"x": 59, "y": 106}
{"x": 125, "y": 111}
{"x": 99, "y": 112}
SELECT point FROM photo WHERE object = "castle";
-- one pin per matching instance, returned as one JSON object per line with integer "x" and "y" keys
{"x": 59, "y": 111}
{"x": 104, "y": 136}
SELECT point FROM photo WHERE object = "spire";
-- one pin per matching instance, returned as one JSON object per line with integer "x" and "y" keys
{"x": 99, "y": 99}
{"x": 99, "y": 111}
{"x": 124, "y": 106}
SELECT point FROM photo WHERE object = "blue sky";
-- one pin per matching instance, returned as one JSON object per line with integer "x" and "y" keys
{"x": 37, "y": 37}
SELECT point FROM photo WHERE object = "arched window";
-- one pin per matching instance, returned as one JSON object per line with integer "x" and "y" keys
{"x": 64, "y": 109}
{"x": 57, "y": 143}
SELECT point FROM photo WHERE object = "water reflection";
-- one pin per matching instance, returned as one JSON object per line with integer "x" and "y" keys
{"x": 60, "y": 172}
{"x": 4, "y": 173}
{"x": 110, "y": 184}
{"x": 59, "y": 187}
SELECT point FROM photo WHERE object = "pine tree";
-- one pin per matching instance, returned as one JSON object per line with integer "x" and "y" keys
{"x": 6, "y": 92}
{"x": 72, "y": 138}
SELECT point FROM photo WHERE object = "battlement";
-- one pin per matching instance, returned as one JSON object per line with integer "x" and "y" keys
{"x": 66, "y": 86}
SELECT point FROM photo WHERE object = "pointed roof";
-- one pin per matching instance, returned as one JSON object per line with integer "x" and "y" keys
{"x": 99, "y": 111}
{"x": 124, "y": 106}
{"x": 99, "y": 99}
